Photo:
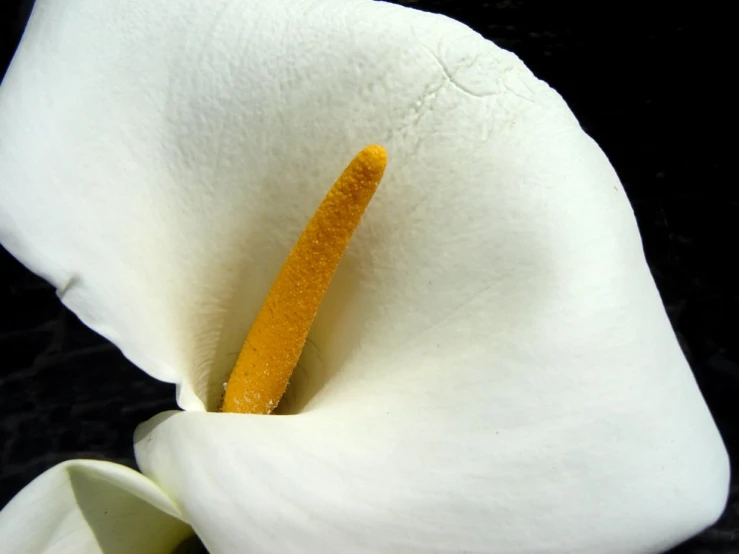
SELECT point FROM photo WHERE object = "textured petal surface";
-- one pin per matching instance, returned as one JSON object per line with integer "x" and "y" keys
{"x": 90, "y": 507}
{"x": 493, "y": 350}
{"x": 158, "y": 161}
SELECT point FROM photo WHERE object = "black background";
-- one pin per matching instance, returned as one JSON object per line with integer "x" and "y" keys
{"x": 649, "y": 81}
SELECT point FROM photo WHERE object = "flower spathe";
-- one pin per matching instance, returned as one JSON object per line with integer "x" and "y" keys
{"x": 90, "y": 506}
{"x": 492, "y": 369}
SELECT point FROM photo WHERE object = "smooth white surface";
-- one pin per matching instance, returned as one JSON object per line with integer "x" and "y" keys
{"x": 91, "y": 507}
{"x": 492, "y": 369}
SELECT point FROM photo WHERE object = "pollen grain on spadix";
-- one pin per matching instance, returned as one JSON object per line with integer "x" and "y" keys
{"x": 278, "y": 334}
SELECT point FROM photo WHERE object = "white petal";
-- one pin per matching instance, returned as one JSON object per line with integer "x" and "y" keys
{"x": 89, "y": 507}
{"x": 492, "y": 370}
{"x": 158, "y": 160}
{"x": 409, "y": 482}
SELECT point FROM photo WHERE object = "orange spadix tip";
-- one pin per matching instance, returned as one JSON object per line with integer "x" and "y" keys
{"x": 278, "y": 334}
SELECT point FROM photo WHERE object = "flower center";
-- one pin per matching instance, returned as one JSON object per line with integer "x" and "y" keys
{"x": 278, "y": 334}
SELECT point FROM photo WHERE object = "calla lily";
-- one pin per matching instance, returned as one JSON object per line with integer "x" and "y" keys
{"x": 491, "y": 369}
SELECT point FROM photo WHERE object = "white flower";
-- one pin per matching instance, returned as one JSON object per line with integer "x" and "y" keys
{"x": 492, "y": 369}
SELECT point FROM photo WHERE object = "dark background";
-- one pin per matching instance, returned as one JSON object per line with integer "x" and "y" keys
{"x": 648, "y": 80}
